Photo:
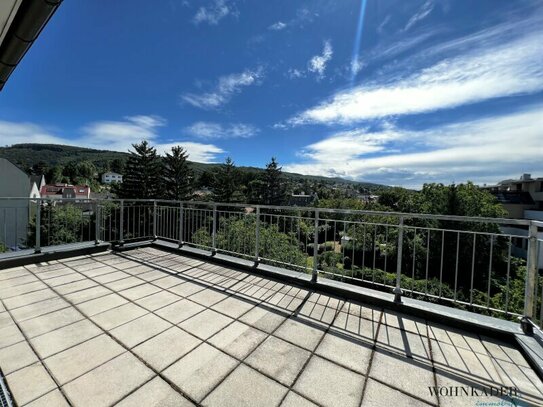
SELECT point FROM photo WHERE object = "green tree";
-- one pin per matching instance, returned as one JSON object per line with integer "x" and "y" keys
{"x": 178, "y": 177}
{"x": 273, "y": 192}
{"x": 226, "y": 186}
{"x": 142, "y": 175}
{"x": 118, "y": 165}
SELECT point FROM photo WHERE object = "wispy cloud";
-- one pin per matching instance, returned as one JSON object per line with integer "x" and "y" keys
{"x": 317, "y": 64}
{"x": 294, "y": 73}
{"x": 198, "y": 152}
{"x": 212, "y": 14}
{"x": 210, "y": 130}
{"x": 505, "y": 146}
{"x": 499, "y": 67}
{"x": 421, "y": 14}
{"x": 226, "y": 87}
{"x": 111, "y": 135}
{"x": 278, "y": 26}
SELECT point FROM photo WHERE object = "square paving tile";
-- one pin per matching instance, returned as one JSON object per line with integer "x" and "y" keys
{"x": 410, "y": 376}
{"x": 263, "y": 319}
{"x": 40, "y": 308}
{"x": 109, "y": 382}
{"x": 180, "y": 311}
{"x": 74, "y": 362}
{"x": 139, "y": 330}
{"x": 75, "y": 287}
{"x": 63, "y": 338}
{"x": 200, "y": 371}
{"x": 30, "y": 298}
{"x": 48, "y": 322}
{"x": 279, "y": 359}
{"x": 53, "y": 398}
{"x": 301, "y": 332}
{"x": 88, "y": 294}
{"x": 117, "y": 316}
{"x": 234, "y": 391}
{"x": 29, "y": 383}
{"x": 156, "y": 393}
{"x": 233, "y": 307}
{"x": 329, "y": 384}
{"x": 238, "y": 339}
{"x": 125, "y": 283}
{"x": 205, "y": 324}
{"x": 158, "y": 300}
{"x": 166, "y": 348}
{"x": 186, "y": 289}
{"x": 355, "y": 325}
{"x": 208, "y": 297}
{"x": 404, "y": 343}
{"x": 139, "y": 291}
{"x": 295, "y": 400}
{"x": 16, "y": 356}
{"x": 346, "y": 351}
{"x": 10, "y": 335}
{"x": 93, "y": 307}
{"x": 168, "y": 282}
{"x": 379, "y": 395}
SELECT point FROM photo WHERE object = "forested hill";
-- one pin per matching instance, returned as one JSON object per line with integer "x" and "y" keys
{"x": 28, "y": 155}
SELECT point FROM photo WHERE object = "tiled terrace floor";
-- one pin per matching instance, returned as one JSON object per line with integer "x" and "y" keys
{"x": 146, "y": 327}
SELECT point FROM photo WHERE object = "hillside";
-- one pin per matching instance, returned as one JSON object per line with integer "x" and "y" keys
{"x": 27, "y": 155}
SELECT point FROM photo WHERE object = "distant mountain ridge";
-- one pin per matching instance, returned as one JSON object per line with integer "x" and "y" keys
{"x": 28, "y": 154}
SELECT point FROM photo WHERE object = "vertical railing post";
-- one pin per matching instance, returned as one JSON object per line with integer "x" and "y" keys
{"x": 121, "y": 224}
{"x": 214, "y": 232}
{"x": 398, "y": 289}
{"x": 154, "y": 221}
{"x": 257, "y": 236}
{"x": 180, "y": 224}
{"x": 97, "y": 223}
{"x": 37, "y": 246}
{"x": 315, "y": 248}
{"x": 531, "y": 278}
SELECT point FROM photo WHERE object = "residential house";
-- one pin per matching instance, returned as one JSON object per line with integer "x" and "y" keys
{"x": 111, "y": 177}
{"x": 302, "y": 199}
{"x": 15, "y": 213}
{"x": 63, "y": 191}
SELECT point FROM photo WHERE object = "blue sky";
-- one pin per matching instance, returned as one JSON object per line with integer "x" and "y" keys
{"x": 389, "y": 91}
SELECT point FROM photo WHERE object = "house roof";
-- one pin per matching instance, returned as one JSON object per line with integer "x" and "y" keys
{"x": 60, "y": 189}
{"x": 515, "y": 197}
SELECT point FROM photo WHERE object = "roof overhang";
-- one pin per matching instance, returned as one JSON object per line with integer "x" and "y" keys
{"x": 21, "y": 22}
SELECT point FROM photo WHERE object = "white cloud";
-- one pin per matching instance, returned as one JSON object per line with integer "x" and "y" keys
{"x": 198, "y": 152}
{"x": 278, "y": 26}
{"x": 476, "y": 74}
{"x": 318, "y": 63}
{"x": 213, "y": 13}
{"x": 209, "y": 130}
{"x": 117, "y": 135}
{"x": 421, "y": 14}
{"x": 16, "y": 133}
{"x": 294, "y": 73}
{"x": 357, "y": 65}
{"x": 107, "y": 135}
{"x": 226, "y": 87}
{"x": 504, "y": 146}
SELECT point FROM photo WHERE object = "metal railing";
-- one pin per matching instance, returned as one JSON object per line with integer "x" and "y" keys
{"x": 470, "y": 262}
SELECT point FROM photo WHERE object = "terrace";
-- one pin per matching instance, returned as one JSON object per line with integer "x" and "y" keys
{"x": 176, "y": 303}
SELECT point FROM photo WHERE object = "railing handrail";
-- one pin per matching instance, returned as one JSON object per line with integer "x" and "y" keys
{"x": 427, "y": 216}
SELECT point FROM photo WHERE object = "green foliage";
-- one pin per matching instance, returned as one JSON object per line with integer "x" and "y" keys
{"x": 178, "y": 177}
{"x": 142, "y": 176}
{"x": 226, "y": 185}
{"x": 273, "y": 187}
{"x": 3, "y": 248}
{"x": 238, "y": 234}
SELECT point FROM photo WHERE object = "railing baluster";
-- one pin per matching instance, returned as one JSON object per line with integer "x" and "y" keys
{"x": 489, "y": 271}
{"x": 37, "y": 247}
{"x": 214, "y": 232}
{"x": 154, "y": 221}
{"x": 315, "y": 248}
{"x": 121, "y": 223}
{"x": 180, "y": 224}
{"x": 531, "y": 272}
{"x": 257, "y": 236}
{"x": 97, "y": 223}
{"x": 456, "y": 264}
{"x": 398, "y": 290}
